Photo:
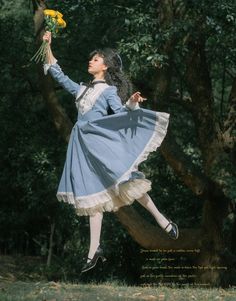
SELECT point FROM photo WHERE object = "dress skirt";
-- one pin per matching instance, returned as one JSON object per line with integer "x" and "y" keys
{"x": 101, "y": 168}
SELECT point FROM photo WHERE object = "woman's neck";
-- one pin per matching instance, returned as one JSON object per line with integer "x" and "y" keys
{"x": 95, "y": 79}
{"x": 98, "y": 76}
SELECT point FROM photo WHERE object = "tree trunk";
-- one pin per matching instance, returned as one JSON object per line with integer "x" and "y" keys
{"x": 50, "y": 249}
{"x": 216, "y": 204}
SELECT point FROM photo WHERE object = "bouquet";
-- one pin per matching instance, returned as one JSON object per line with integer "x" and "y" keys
{"x": 53, "y": 23}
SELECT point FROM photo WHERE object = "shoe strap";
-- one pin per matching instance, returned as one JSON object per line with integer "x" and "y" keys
{"x": 170, "y": 223}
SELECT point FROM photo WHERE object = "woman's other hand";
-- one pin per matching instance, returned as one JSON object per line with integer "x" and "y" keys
{"x": 136, "y": 97}
{"x": 48, "y": 37}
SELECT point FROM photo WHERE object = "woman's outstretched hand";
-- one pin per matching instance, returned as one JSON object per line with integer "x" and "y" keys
{"x": 48, "y": 37}
{"x": 136, "y": 97}
{"x": 50, "y": 59}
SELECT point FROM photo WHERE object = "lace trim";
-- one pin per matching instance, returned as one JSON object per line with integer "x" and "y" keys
{"x": 132, "y": 105}
{"x": 129, "y": 192}
{"x": 90, "y": 97}
{"x": 125, "y": 193}
{"x": 47, "y": 66}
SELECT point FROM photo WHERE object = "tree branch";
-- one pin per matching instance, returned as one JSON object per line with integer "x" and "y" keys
{"x": 153, "y": 237}
{"x": 183, "y": 166}
{"x": 192, "y": 177}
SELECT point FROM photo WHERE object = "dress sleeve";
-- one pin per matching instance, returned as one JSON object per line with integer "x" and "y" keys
{"x": 132, "y": 105}
{"x": 56, "y": 72}
{"x": 115, "y": 103}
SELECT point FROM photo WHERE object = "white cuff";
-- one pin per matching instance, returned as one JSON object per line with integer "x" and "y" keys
{"x": 132, "y": 105}
{"x": 47, "y": 66}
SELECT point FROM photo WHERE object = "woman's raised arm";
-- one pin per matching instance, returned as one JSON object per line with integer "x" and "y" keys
{"x": 55, "y": 70}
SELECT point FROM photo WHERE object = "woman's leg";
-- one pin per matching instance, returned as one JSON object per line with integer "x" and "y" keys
{"x": 95, "y": 223}
{"x": 95, "y": 251}
{"x": 147, "y": 202}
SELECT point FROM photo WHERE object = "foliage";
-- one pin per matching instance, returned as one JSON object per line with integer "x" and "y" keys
{"x": 32, "y": 153}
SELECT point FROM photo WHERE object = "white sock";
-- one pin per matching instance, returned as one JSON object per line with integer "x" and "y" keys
{"x": 147, "y": 203}
{"x": 95, "y": 223}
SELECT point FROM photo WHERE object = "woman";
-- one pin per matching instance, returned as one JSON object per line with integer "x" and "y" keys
{"x": 101, "y": 168}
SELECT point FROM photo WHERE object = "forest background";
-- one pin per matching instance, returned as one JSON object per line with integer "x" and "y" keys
{"x": 181, "y": 55}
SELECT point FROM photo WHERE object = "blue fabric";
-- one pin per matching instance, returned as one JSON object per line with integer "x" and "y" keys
{"x": 69, "y": 85}
{"x": 103, "y": 148}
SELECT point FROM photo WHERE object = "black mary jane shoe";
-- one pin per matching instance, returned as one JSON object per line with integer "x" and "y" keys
{"x": 174, "y": 232}
{"x": 93, "y": 261}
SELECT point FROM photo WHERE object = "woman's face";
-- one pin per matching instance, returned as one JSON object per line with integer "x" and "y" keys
{"x": 96, "y": 65}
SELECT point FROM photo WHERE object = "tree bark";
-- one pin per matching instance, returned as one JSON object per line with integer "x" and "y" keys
{"x": 229, "y": 133}
{"x": 200, "y": 88}
{"x": 50, "y": 248}
{"x": 216, "y": 205}
{"x": 149, "y": 236}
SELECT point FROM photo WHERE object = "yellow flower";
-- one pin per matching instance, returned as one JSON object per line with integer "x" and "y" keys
{"x": 59, "y": 14}
{"x": 61, "y": 22}
{"x": 53, "y": 23}
{"x": 50, "y": 12}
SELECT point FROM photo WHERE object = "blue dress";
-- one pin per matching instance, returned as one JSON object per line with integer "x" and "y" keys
{"x": 101, "y": 167}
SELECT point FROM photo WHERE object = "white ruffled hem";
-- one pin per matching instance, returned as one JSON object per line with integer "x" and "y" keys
{"x": 108, "y": 200}
{"x": 124, "y": 191}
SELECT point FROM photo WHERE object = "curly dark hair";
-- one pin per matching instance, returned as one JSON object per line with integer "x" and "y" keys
{"x": 114, "y": 75}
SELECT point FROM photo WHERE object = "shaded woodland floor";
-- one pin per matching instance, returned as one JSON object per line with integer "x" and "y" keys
{"x": 21, "y": 280}
{"x": 58, "y": 291}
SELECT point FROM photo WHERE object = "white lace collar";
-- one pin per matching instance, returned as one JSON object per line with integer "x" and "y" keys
{"x": 87, "y": 102}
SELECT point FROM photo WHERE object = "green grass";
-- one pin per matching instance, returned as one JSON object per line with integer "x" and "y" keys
{"x": 61, "y": 291}
{"x": 23, "y": 279}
